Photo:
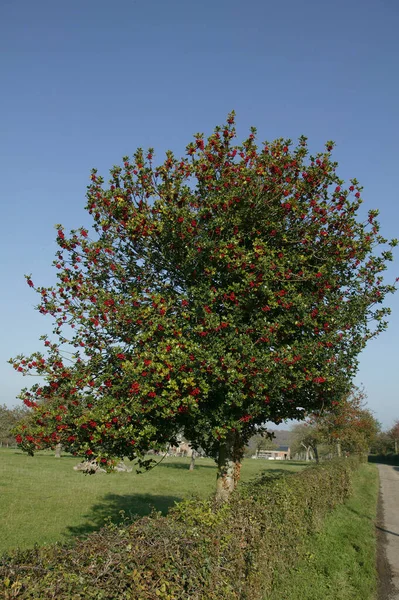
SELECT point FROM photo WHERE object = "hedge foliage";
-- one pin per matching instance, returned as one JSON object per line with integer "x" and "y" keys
{"x": 385, "y": 459}
{"x": 200, "y": 551}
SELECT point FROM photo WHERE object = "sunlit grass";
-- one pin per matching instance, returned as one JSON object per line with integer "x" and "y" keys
{"x": 44, "y": 500}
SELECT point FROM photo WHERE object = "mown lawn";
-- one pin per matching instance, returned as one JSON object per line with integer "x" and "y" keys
{"x": 43, "y": 500}
{"x": 341, "y": 557}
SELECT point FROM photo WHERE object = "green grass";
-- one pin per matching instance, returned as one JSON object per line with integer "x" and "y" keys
{"x": 43, "y": 500}
{"x": 341, "y": 558}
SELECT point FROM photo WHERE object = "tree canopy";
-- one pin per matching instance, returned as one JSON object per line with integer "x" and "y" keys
{"x": 393, "y": 434}
{"x": 348, "y": 423}
{"x": 214, "y": 292}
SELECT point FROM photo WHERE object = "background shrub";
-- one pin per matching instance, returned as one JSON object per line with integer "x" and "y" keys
{"x": 385, "y": 459}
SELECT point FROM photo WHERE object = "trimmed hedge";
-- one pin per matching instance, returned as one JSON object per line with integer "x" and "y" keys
{"x": 200, "y": 551}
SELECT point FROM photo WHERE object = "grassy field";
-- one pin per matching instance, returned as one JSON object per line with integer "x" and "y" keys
{"x": 341, "y": 558}
{"x": 43, "y": 500}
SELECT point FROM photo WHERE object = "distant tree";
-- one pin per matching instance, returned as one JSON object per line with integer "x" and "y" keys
{"x": 9, "y": 418}
{"x": 6, "y": 424}
{"x": 215, "y": 292}
{"x": 192, "y": 461}
{"x": 393, "y": 434}
{"x": 306, "y": 437}
{"x": 260, "y": 441}
{"x": 348, "y": 424}
{"x": 58, "y": 449}
{"x": 383, "y": 444}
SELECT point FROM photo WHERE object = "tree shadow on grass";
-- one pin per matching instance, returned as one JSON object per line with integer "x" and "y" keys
{"x": 115, "y": 508}
{"x": 185, "y": 465}
{"x": 359, "y": 513}
{"x": 273, "y": 473}
{"x": 387, "y": 531}
{"x": 364, "y": 516}
{"x": 63, "y": 457}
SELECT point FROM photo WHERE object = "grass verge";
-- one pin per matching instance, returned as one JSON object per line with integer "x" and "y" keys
{"x": 341, "y": 557}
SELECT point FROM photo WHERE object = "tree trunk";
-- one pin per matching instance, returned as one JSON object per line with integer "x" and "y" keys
{"x": 316, "y": 454}
{"x": 58, "y": 451}
{"x": 192, "y": 461}
{"x": 229, "y": 466}
{"x": 307, "y": 450}
{"x": 339, "y": 453}
{"x": 396, "y": 446}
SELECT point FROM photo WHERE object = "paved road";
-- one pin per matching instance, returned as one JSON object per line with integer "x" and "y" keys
{"x": 388, "y": 527}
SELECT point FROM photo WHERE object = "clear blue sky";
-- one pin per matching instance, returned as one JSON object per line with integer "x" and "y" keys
{"x": 85, "y": 82}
